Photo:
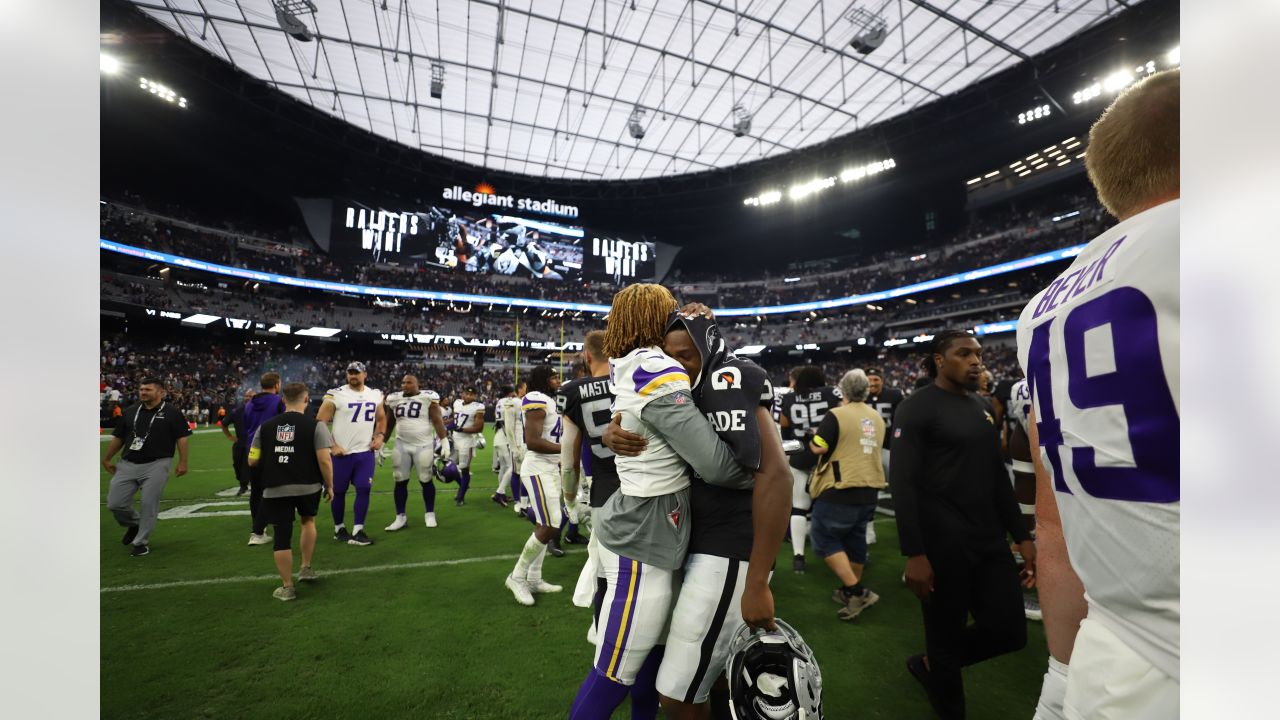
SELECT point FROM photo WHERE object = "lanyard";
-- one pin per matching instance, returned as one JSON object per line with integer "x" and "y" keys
{"x": 149, "y": 422}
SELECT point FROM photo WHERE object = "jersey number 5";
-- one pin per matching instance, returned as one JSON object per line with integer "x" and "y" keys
{"x": 1136, "y": 383}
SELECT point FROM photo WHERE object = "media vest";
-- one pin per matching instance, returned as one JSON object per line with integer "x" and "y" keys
{"x": 855, "y": 459}
{"x": 288, "y": 445}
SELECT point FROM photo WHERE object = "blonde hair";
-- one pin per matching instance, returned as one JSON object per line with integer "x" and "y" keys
{"x": 638, "y": 318}
{"x": 1133, "y": 148}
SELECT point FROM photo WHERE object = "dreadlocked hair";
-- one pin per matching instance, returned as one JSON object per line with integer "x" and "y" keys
{"x": 638, "y": 318}
{"x": 540, "y": 379}
{"x": 939, "y": 346}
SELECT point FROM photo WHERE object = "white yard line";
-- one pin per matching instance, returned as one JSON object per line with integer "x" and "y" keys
{"x": 323, "y": 574}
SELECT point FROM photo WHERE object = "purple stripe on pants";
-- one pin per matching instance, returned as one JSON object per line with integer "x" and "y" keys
{"x": 617, "y": 609}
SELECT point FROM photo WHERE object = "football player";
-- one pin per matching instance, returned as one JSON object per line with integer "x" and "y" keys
{"x": 515, "y": 435}
{"x": 884, "y": 400}
{"x": 643, "y": 529}
{"x": 735, "y": 533}
{"x": 358, "y": 422}
{"x": 585, "y": 407}
{"x": 418, "y": 423}
{"x": 575, "y": 509}
{"x": 502, "y": 454}
{"x": 540, "y": 473}
{"x": 800, "y": 415}
{"x": 1100, "y": 347}
{"x": 468, "y": 431}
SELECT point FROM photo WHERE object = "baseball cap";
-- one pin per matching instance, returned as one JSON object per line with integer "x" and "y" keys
{"x": 355, "y": 365}
{"x": 874, "y": 371}
{"x": 471, "y": 389}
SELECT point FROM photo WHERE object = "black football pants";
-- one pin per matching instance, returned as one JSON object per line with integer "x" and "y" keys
{"x": 256, "y": 509}
{"x": 240, "y": 464}
{"x": 983, "y": 585}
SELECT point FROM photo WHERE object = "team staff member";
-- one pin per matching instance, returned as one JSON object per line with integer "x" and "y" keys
{"x": 148, "y": 430}
{"x": 239, "y": 452}
{"x": 886, "y": 401}
{"x": 293, "y": 452}
{"x": 954, "y": 505}
{"x": 265, "y": 404}
{"x": 846, "y": 485}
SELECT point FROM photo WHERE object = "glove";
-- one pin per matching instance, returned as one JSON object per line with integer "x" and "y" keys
{"x": 445, "y": 449}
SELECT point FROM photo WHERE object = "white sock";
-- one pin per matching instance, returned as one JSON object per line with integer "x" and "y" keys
{"x": 799, "y": 532}
{"x": 357, "y": 529}
{"x": 504, "y": 485}
{"x": 535, "y": 567}
{"x": 527, "y": 556}
{"x": 339, "y": 526}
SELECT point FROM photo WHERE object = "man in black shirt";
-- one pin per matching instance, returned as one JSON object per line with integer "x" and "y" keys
{"x": 292, "y": 450}
{"x": 954, "y": 505}
{"x": 148, "y": 431}
{"x": 239, "y": 453}
{"x": 801, "y": 413}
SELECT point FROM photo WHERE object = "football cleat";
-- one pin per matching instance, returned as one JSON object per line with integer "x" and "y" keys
{"x": 500, "y": 499}
{"x": 341, "y": 534}
{"x": 360, "y": 538}
{"x": 130, "y": 533}
{"x": 542, "y": 586}
{"x": 431, "y": 519}
{"x": 520, "y": 589}
{"x": 575, "y": 539}
{"x": 553, "y": 547}
{"x": 140, "y": 550}
{"x": 773, "y": 675}
{"x": 797, "y": 564}
{"x": 400, "y": 522}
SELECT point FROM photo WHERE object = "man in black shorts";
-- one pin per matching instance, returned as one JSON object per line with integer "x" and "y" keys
{"x": 293, "y": 452}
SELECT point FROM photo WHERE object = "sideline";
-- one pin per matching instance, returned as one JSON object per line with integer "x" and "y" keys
{"x": 324, "y": 574}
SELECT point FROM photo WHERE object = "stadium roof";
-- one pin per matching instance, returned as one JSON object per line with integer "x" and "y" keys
{"x": 548, "y": 88}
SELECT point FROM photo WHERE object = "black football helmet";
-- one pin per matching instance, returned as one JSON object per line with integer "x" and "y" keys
{"x": 773, "y": 676}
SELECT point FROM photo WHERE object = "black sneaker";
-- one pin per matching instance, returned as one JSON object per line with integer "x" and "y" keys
{"x": 553, "y": 547}
{"x": 242, "y": 491}
{"x": 500, "y": 499}
{"x": 140, "y": 550}
{"x": 130, "y": 533}
{"x": 797, "y": 564}
{"x": 342, "y": 535}
{"x": 360, "y": 539}
{"x": 575, "y": 539}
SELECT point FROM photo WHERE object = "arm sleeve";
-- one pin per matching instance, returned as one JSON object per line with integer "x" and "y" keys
{"x": 828, "y": 432}
{"x": 904, "y": 477}
{"x": 684, "y": 428}
{"x": 324, "y": 438}
{"x": 1002, "y": 494}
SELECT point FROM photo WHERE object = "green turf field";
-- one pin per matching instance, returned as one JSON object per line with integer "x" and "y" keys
{"x": 420, "y": 625}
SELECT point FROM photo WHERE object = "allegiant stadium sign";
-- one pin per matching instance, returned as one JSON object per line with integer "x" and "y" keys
{"x": 485, "y": 195}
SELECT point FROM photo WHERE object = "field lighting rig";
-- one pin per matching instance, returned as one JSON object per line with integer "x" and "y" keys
{"x": 288, "y": 14}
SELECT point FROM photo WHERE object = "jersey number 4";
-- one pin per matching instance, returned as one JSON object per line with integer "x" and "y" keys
{"x": 1136, "y": 383}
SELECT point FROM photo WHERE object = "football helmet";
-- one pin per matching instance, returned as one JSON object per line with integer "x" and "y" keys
{"x": 446, "y": 472}
{"x": 773, "y": 676}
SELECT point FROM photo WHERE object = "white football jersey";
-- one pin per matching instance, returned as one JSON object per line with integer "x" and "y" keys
{"x": 506, "y": 409}
{"x": 1020, "y": 404}
{"x": 1100, "y": 349}
{"x": 413, "y": 416}
{"x": 636, "y": 379}
{"x": 354, "y": 417}
{"x": 465, "y": 413}
{"x": 518, "y": 431}
{"x": 551, "y": 428}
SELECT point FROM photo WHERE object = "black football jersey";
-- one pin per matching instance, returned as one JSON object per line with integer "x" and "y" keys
{"x": 729, "y": 397}
{"x": 587, "y": 401}
{"x": 805, "y": 413}
{"x": 886, "y": 403}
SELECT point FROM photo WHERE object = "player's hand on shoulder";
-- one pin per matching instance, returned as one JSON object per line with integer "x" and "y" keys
{"x": 621, "y": 442}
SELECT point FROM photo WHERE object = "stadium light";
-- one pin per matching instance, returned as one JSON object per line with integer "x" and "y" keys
{"x": 437, "y": 80}
{"x": 1033, "y": 114}
{"x": 200, "y": 319}
{"x": 1174, "y": 56}
{"x": 319, "y": 332}
{"x": 741, "y": 120}
{"x": 108, "y": 64}
{"x": 635, "y": 123}
{"x": 162, "y": 92}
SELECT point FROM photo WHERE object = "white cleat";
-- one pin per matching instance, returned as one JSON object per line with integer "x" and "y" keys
{"x": 431, "y": 520}
{"x": 400, "y": 522}
{"x": 520, "y": 589}
{"x": 542, "y": 586}
{"x": 262, "y": 539}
